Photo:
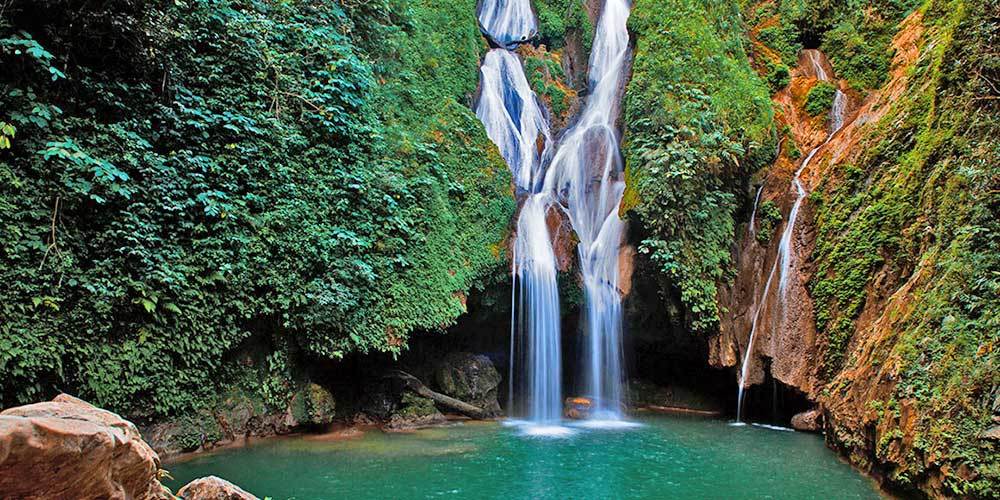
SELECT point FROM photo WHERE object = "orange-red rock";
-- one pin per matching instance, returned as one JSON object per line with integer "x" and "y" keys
{"x": 67, "y": 448}
{"x": 213, "y": 488}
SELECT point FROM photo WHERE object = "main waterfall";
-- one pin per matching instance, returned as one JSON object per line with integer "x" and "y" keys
{"x": 584, "y": 181}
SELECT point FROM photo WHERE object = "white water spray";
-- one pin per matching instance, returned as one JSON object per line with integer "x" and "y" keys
{"x": 513, "y": 117}
{"x": 507, "y": 22}
{"x": 752, "y": 230}
{"x": 785, "y": 258}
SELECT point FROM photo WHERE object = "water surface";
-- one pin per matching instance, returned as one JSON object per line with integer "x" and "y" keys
{"x": 667, "y": 457}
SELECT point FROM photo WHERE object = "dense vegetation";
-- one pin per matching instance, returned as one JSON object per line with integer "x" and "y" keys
{"x": 920, "y": 211}
{"x": 180, "y": 176}
{"x": 856, "y": 35}
{"x": 561, "y": 20}
{"x": 698, "y": 124}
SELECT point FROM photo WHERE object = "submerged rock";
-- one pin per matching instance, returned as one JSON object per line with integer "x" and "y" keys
{"x": 471, "y": 378}
{"x": 68, "y": 448}
{"x": 213, "y": 488}
{"x": 577, "y": 408}
{"x": 810, "y": 421}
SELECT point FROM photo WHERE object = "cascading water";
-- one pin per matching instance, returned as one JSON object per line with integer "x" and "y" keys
{"x": 785, "y": 259}
{"x": 514, "y": 119}
{"x": 537, "y": 324}
{"x": 507, "y": 22}
{"x": 584, "y": 180}
{"x": 752, "y": 229}
{"x": 516, "y": 123}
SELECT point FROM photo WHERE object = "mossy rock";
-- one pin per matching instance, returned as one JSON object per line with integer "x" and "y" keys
{"x": 414, "y": 411}
{"x": 311, "y": 405}
{"x": 471, "y": 378}
{"x": 415, "y": 406}
{"x": 193, "y": 432}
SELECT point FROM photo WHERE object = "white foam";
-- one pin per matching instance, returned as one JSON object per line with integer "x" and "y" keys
{"x": 600, "y": 424}
{"x": 774, "y": 427}
{"x": 547, "y": 431}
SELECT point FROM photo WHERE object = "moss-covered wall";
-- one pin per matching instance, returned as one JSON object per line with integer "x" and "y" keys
{"x": 908, "y": 255}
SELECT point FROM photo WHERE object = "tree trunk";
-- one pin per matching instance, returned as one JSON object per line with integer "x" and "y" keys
{"x": 415, "y": 385}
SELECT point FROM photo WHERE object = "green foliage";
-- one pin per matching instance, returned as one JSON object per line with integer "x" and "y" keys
{"x": 820, "y": 98}
{"x": 917, "y": 218}
{"x": 698, "y": 121}
{"x": 558, "y": 18}
{"x": 775, "y": 26}
{"x": 778, "y": 77}
{"x": 545, "y": 76}
{"x": 768, "y": 218}
{"x": 189, "y": 174}
{"x": 856, "y": 34}
{"x": 857, "y": 37}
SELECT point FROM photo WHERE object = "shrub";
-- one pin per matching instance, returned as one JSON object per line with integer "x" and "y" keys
{"x": 820, "y": 98}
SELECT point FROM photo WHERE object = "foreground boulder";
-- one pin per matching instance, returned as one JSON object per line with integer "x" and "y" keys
{"x": 68, "y": 448}
{"x": 213, "y": 488}
{"x": 471, "y": 378}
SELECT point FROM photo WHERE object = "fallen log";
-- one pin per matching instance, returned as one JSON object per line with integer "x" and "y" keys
{"x": 415, "y": 385}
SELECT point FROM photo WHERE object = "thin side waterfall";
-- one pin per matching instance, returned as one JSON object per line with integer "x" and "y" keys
{"x": 585, "y": 181}
{"x": 514, "y": 119}
{"x": 752, "y": 230}
{"x": 507, "y": 23}
{"x": 784, "y": 260}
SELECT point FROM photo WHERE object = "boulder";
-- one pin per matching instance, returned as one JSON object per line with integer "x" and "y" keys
{"x": 68, "y": 448}
{"x": 312, "y": 405}
{"x": 213, "y": 488}
{"x": 471, "y": 378}
{"x": 809, "y": 421}
{"x": 577, "y": 408}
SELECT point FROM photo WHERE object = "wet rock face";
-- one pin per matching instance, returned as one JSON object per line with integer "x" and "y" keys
{"x": 68, "y": 448}
{"x": 471, "y": 378}
{"x": 237, "y": 416}
{"x": 213, "y": 488}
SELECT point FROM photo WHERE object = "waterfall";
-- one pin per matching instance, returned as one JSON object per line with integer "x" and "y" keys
{"x": 752, "y": 230}
{"x": 514, "y": 119}
{"x": 785, "y": 258}
{"x": 507, "y": 23}
{"x": 517, "y": 123}
{"x": 537, "y": 309}
{"x": 585, "y": 181}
